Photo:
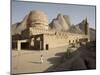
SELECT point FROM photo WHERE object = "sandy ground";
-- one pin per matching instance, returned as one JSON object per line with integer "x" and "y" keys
{"x": 28, "y": 61}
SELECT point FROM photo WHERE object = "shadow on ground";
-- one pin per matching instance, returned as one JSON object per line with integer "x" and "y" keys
{"x": 84, "y": 58}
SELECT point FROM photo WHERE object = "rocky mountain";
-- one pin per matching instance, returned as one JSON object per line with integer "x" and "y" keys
{"x": 61, "y": 23}
{"x": 17, "y": 28}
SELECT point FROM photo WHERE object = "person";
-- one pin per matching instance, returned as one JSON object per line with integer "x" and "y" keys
{"x": 41, "y": 58}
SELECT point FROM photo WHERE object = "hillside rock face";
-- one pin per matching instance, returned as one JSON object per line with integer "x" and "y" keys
{"x": 75, "y": 29}
{"x": 17, "y": 28}
{"x": 61, "y": 23}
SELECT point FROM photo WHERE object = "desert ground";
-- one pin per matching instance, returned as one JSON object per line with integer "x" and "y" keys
{"x": 54, "y": 60}
{"x": 28, "y": 61}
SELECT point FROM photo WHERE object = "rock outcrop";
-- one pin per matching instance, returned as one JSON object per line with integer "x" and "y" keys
{"x": 61, "y": 23}
{"x": 75, "y": 29}
{"x": 17, "y": 28}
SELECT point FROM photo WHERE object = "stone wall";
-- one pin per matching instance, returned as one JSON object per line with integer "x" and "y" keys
{"x": 61, "y": 39}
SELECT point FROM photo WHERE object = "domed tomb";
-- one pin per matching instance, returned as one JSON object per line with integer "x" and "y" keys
{"x": 38, "y": 19}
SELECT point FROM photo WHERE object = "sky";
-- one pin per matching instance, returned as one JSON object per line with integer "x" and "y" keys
{"x": 76, "y": 12}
